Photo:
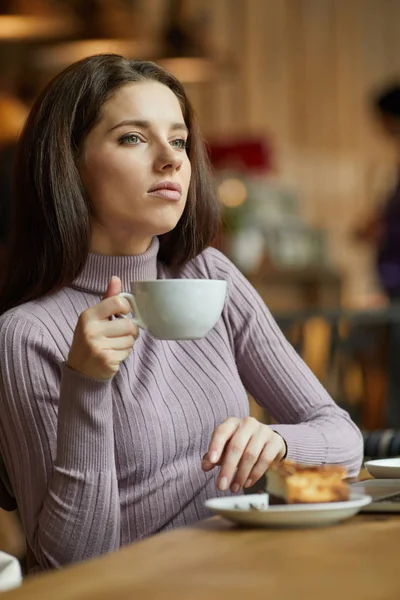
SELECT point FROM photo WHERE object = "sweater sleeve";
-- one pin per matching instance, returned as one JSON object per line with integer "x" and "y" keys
{"x": 314, "y": 427}
{"x": 56, "y": 439}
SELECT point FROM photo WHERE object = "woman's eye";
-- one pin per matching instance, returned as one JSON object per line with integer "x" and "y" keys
{"x": 179, "y": 143}
{"x": 131, "y": 139}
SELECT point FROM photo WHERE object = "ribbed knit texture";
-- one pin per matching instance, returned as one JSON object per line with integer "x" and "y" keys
{"x": 95, "y": 465}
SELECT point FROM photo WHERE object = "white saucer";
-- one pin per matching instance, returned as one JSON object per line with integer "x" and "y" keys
{"x": 238, "y": 509}
{"x": 384, "y": 468}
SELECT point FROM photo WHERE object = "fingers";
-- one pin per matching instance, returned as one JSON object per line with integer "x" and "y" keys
{"x": 111, "y": 335}
{"x": 250, "y": 471}
{"x": 95, "y": 329}
{"x": 218, "y": 442}
{"x": 272, "y": 451}
{"x": 116, "y": 328}
{"x": 117, "y": 356}
{"x": 115, "y": 305}
{"x": 207, "y": 465}
{"x": 100, "y": 343}
{"x": 114, "y": 287}
{"x": 244, "y": 448}
{"x": 238, "y": 442}
{"x": 112, "y": 358}
{"x": 251, "y": 462}
{"x": 120, "y": 343}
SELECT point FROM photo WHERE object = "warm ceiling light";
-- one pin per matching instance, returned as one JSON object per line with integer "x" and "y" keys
{"x": 25, "y": 27}
{"x": 66, "y": 53}
{"x": 232, "y": 192}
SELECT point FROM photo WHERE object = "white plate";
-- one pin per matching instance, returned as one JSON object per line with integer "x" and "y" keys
{"x": 384, "y": 468}
{"x": 238, "y": 510}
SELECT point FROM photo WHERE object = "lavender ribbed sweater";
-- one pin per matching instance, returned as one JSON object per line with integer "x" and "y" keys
{"x": 95, "y": 465}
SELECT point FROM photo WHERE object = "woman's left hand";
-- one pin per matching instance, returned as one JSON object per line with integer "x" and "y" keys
{"x": 244, "y": 448}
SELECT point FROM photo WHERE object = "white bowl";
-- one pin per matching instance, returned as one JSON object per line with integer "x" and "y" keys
{"x": 384, "y": 468}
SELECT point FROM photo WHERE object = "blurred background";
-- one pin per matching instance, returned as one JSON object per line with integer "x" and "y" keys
{"x": 284, "y": 93}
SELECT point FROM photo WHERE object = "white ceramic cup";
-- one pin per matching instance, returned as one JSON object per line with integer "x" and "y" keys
{"x": 177, "y": 309}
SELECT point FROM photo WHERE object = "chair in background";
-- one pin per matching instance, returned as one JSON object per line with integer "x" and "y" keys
{"x": 349, "y": 352}
{"x": 383, "y": 443}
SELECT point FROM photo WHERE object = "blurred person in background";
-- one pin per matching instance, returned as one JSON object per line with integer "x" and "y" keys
{"x": 382, "y": 228}
{"x": 382, "y": 231}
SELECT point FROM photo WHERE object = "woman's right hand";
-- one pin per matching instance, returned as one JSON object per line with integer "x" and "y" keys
{"x": 100, "y": 344}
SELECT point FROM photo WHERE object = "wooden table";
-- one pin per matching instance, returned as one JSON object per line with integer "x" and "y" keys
{"x": 357, "y": 560}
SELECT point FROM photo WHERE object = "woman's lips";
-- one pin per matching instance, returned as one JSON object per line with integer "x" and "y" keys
{"x": 167, "y": 193}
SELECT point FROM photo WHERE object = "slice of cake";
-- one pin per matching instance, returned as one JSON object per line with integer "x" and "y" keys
{"x": 292, "y": 483}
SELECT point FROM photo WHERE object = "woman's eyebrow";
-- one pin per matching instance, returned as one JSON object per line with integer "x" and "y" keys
{"x": 146, "y": 125}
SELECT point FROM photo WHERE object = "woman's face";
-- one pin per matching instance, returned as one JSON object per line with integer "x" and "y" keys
{"x": 135, "y": 168}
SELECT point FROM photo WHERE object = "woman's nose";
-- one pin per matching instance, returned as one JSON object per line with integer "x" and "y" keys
{"x": 168, "y": 159}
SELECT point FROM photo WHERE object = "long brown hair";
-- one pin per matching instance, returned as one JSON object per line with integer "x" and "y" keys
{"x": 50, "y": 240}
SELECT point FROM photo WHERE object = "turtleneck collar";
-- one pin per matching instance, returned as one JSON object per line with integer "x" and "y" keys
{"x": 99, "y": 269}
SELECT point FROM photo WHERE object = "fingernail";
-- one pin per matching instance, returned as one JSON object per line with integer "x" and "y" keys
{"x": 223, "y": 484}
{"x": 248, "y": 483}
{"x": 235, "y": 487}
{"x": 214, "y": 457}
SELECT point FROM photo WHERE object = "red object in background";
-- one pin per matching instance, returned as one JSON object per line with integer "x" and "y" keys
{"x": 241, "y": 154}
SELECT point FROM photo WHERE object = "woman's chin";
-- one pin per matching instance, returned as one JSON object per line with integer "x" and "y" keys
{"x": 163, "y": 228}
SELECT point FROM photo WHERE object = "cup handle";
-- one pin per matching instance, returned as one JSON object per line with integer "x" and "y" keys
{"x": 137, "y": 319}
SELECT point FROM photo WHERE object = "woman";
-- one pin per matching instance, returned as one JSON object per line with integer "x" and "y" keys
{"x": 108, "y": 437}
